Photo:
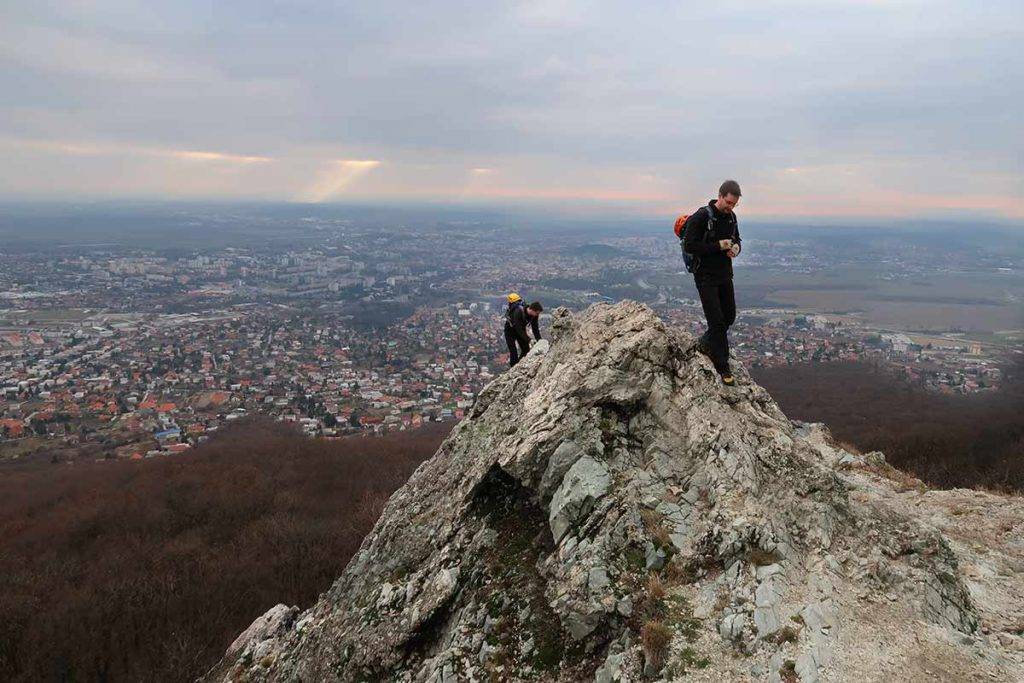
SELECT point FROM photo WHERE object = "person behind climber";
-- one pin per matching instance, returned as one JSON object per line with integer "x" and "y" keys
{"x": 517, "y": 316}
{"x": 712, "y": 236}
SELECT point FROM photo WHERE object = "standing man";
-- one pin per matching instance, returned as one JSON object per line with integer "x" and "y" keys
{"x": 712, "y": 236}
{"x": 517, "y": 316}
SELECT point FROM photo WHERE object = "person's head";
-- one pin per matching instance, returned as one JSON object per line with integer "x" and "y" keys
{"x": 728, "y": 196}
{"x": 534, "y": 309}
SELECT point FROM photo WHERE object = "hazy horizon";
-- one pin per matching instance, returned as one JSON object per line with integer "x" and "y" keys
{"x": 543, "y": 214}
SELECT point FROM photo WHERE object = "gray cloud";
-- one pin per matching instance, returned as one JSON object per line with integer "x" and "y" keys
{"x": 649, "y": 99}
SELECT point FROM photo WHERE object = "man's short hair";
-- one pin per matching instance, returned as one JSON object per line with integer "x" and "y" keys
{"x": 730, "y": 187}
{"x": 535, "y": 306}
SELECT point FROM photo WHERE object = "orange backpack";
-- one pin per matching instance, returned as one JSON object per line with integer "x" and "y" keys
{"x": 680, "y": 222}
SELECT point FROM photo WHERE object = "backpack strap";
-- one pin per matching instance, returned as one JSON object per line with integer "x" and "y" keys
{"x": 712, "y": 219}
{"x": 735, "y": 229}
{"x": 710, "y": 229}
{"x": 693, "y": 264}
{"x": 511, "y": 307}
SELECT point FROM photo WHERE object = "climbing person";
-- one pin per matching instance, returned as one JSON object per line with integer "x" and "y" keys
{"x": 711, "y": 238}
{"x": 517, "y": 316}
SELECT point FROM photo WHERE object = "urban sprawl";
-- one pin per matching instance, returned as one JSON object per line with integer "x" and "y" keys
{"x": 139, "y": 352}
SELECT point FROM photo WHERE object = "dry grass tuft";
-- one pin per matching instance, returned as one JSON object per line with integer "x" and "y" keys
{"x": 655, "y": 638}
{"x": 786, "y": 634}
{"x": 902, "y": 482}
{"x": 788, "y": 672}
{"x": 657, "y": 531}
{"x": 722, "y": 600}
{"x": 678, "y": 572}
{"x": 655, "y": 587}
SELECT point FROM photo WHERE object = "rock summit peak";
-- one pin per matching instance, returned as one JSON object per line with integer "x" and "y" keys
{"x": 610, "y": 511}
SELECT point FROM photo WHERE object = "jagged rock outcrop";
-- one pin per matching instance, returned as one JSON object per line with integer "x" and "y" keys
{"x": 609, "y": 511}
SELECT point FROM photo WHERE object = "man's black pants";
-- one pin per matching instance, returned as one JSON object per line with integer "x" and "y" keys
{"x": 719, "y": 302}
{"x": 514, "y": 353}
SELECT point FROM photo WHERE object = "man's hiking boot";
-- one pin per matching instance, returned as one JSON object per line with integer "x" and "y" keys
{"x": 728, "y": 380}
{"x": 703, "y": 346}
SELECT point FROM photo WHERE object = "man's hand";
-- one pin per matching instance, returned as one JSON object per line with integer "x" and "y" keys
{"x": 733, "y": 251}
{"x": 725, "y": 245}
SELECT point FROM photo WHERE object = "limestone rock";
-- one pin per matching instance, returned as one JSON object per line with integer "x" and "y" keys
{"x": 608, "y": 494}
{"x": 584, "y": 484}
{"x": 273, "y": 623}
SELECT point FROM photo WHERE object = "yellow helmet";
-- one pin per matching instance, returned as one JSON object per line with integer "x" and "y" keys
{"x": 513, "y": 297}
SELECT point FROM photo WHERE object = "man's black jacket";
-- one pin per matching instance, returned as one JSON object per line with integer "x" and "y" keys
{"x": 517, "y": 319}
{"x": 713, "y": 264}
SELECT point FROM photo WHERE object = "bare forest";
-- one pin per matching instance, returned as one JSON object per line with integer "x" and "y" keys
{"x": 146, "y": 571}
{"x": 947, "y": 441}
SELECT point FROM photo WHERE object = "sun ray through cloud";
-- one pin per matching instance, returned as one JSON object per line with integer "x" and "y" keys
{"x": 335, "y": 178}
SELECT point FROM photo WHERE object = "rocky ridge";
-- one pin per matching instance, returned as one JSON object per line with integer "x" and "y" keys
{"x": 609, "y": 511}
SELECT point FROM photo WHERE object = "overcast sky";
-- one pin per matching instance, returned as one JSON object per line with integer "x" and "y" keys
{"x": 817, "y": 107}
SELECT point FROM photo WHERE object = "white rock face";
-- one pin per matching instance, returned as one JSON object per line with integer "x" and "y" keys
{"x": 608, "y": 492}
{"x": 583, "y": 486}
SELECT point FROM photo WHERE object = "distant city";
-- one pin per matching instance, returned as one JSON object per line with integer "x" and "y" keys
{"x": 343, "y": 323}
